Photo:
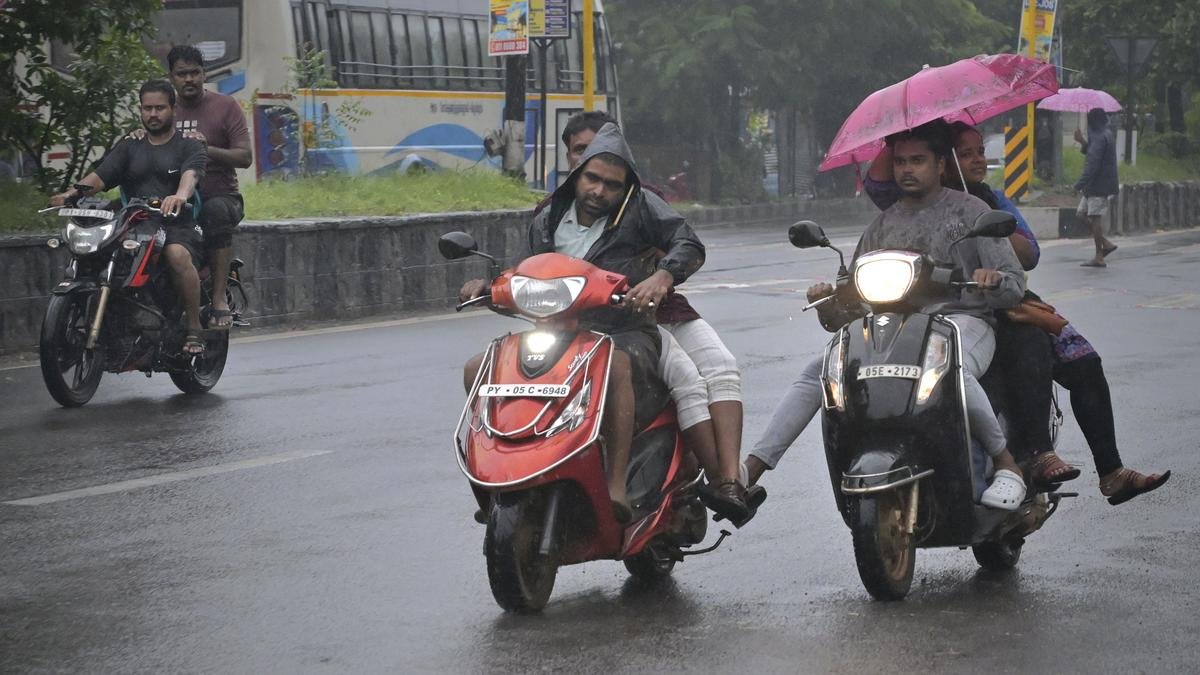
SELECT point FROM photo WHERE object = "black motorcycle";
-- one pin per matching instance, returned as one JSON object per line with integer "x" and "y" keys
{"x": 905, "y": 471}
{"x": 117, "y": 309}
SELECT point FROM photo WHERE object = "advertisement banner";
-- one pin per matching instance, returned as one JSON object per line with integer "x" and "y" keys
{"x": 1037, "y": 28}
{"x": 508, "y": 27}
{"x": 550, "y": 19}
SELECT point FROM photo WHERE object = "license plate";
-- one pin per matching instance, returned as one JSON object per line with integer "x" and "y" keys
{"x": 87, "y": 213}
{"x": 886, "y": 370}
{"x": 527, "y": 390}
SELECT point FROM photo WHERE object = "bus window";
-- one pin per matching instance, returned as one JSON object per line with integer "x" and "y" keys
{"x": 493, "y": 66}
{"x": 437, "y": 51}
{"x": 346, "y": 74}
{"x": 604, "y": 62}
{"x": 385, "y": 73}
{"x": 420, "y": 51}
{"x": 400, "y": 54}
{"x": 212, "y": 26}
{"x": 474, "y": 59}
{"x": 364, "y": 56}
{"x": 454, "y": 52}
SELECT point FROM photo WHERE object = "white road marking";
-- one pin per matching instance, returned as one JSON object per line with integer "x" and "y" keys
{"x": 162, "y": 478}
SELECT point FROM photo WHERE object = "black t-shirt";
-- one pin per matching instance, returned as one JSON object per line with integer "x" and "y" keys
{"x": 145, "y": 170}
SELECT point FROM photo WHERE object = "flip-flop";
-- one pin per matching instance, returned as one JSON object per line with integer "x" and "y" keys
{"x": 215, "y": 314}
{"x": 1094, "y": 263}
{"x": 1047, "y": 469}
{"x": 1122, "y": 496}
{"x": 1104, "y": 253}
{"x": 1005, "y": 493}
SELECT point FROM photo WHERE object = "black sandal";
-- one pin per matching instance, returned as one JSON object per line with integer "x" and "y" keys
{"x": 192, "y": 339}
{"x": 215, "y": 315}
{"x": 1131, "y": 484}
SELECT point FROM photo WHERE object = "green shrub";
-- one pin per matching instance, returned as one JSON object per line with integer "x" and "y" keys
{"x": 19, "y": 203}
{"x": 1168, "y": 144}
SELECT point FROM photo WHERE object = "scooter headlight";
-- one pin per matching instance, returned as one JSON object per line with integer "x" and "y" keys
{"x": 885, "y": 277}
{"x": 541, "y": 298}
{"x": 835, "y": 394}
{"x": 86, "y": 240}
{"x": 937, "y": 359}
{"x": 572, "y": 416}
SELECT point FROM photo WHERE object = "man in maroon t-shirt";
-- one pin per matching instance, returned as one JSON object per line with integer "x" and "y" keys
{"x": 216, "y": 120}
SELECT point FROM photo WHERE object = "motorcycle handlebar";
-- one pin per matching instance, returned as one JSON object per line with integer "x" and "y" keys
{"x": 473, "y": 301}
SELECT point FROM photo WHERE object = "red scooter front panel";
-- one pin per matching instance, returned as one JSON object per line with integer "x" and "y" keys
{"x": 514, "y": 438}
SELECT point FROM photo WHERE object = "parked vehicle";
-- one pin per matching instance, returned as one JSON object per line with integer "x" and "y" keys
{"x": 528, "y": 439}
{"x": 116, "y": 309}
{"x": 905, "y": 471}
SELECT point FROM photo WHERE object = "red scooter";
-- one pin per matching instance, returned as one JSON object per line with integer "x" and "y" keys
{"x": 529, "y": 439}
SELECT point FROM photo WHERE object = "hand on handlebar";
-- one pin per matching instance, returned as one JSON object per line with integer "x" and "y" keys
{"x": 61, "y": 198}
{"x": 987, "y": 278}
{"x": 472, "y": 289}
{"x": 818, "y": 291}
{"x": 648, "y": 295}
{"x": 171, "y": 206}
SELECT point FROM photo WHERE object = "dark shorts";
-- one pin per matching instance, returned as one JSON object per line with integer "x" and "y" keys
{"x": 187, "y": 235}
{"x": 218, "y": 216}
{"x": 643, "y": 345}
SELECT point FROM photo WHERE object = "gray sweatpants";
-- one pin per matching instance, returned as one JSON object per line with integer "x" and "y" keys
{"x": 802, "y": 399}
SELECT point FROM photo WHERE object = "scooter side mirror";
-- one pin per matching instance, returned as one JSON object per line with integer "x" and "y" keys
{"x": 994, "y": 224}
{"x": 456, "y": 245}
{"x": 807, "y": 234}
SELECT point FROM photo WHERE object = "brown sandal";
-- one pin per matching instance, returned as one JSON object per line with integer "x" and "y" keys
{"x": 1047, "y": 468}
{"x": 1124, "y": 484}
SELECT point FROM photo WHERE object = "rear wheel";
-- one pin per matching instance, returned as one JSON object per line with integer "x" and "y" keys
{"x": 205, "y": 369}
{"x": 651, "y": 563}
{"x": 70, "y": 370}
{"x": 520, "y": 577}
{"x": 999, "y": 555}
{"x": 884, "y": 552}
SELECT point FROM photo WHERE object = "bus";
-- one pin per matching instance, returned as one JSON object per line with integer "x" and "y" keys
{"x": 420, "y": 67}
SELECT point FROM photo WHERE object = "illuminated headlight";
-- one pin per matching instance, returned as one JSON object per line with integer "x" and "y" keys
{"x": 937, "y": 358}
{"x": 539, "y": 342}
{"x": 884, "y": 278}
{"x": 545, "y": 297}
{"x": 85, "y": 240}
{"x": 835, "y": 394}
{"x": 572, "y": 415}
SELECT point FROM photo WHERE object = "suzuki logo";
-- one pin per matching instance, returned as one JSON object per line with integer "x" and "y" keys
{"x": 882, "y": 321}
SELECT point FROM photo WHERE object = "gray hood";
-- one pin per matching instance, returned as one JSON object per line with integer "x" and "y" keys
{"x": 608, "y": 140}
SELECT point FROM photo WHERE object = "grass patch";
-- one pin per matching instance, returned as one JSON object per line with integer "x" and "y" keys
{"x": 397, "y": 194}
{"x": 19, "y": 203}
{"x": 1152, "y": 168}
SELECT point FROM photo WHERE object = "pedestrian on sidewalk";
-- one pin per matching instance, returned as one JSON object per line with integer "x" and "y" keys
{"x": 1098, "y": 182}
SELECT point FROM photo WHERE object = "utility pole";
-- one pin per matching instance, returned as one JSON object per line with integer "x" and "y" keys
{"x": 514, "y": 116}
{"x": 589, "y": 56}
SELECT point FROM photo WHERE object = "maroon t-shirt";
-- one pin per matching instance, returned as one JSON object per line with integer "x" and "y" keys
{"x": 221, "y": 120}
{"x": 674, "y": 308}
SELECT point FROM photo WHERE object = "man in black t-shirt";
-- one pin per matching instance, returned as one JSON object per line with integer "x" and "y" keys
{"x": 165, "y": 165}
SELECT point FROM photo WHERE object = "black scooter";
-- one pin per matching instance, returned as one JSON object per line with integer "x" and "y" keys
{"x": 904, "y": 469}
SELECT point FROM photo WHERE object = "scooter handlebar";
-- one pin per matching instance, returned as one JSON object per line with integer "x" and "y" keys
{"x": 486, "y": 297}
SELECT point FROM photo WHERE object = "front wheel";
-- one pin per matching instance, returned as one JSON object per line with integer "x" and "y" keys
{"x": 521, "y": 578}
{"x": 205, "y": 369}
{"x": 884, "y": 552}
{"x": 70, "y": 370}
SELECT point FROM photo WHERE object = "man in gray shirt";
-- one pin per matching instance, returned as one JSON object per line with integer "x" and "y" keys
{"x": 927, "y": 218}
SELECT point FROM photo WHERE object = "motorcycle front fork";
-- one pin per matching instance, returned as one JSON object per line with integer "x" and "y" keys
{"x": 105, "y": 290}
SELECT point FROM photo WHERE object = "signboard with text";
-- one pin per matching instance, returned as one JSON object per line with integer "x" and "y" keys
{"x": 508, "y": 27}
{"x": 1037, "y": 28}
{"x": 550, "y": 19}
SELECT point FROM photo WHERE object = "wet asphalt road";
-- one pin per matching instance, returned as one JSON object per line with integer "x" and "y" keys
{"x": 309, "y": 516}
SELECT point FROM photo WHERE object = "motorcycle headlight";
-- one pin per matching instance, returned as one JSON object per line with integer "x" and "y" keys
{"x": 835, "y": 395}
{"x": 885, "y": 277}
{"x": 572, "y": 415}
{"x": 85, "y": 240}
{"x": 545, "y": 297}
{"x": 937, "y": 357}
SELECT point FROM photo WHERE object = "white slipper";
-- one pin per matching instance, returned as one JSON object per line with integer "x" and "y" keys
{"x": 1006, "y": 491}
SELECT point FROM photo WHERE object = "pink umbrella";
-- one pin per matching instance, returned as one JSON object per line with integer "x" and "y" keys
{"x": 1081, "y": 100}
{"x": 970, "y": 90}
